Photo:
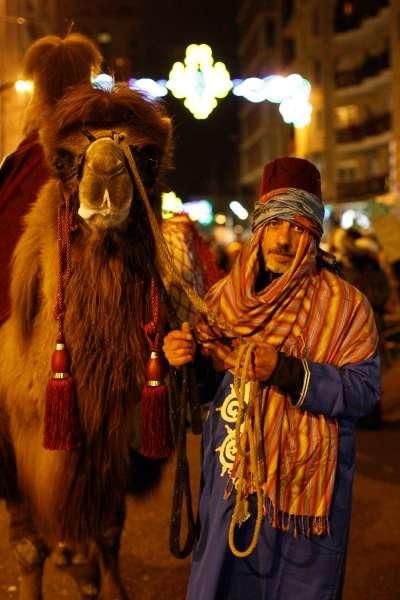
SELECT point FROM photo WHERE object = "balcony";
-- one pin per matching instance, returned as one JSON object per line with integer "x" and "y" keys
{"x": 350, "y": 16}
{"x": 374, "y": 186}
{"x": 371, "y": 127}
{"x": 371, "y": 67}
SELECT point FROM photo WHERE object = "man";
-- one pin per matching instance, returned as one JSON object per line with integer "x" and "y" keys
{"x": 274, "y": 512}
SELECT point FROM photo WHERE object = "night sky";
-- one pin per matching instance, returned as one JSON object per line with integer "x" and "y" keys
{"x": 206, "y": 161}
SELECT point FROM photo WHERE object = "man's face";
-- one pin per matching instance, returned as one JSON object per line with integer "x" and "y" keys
{"x": 279, "y": 244}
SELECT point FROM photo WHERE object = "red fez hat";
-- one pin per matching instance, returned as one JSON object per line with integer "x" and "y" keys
{"x": 290, "y": 172}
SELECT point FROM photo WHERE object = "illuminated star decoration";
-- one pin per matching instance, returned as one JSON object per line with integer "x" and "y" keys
{"x": 200, "y": 81}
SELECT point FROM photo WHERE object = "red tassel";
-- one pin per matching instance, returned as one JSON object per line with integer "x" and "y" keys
{"x": 61, "y": 419}
{"x": 155, "y": 434}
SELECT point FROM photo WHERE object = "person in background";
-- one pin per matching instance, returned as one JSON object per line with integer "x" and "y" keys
{"x": 54, "y": 64}
{"x": 298, "y": 348}
{"x": 361, "y": 267}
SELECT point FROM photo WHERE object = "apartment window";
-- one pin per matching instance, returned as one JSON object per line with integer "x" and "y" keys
{"x": 348, "y": 9}
{"x": 270, "y": 33}
{"x": 317, "y": 71}
{"x": 315, "y": 22}
{"x": 287, "y": 10}
{"x": 346, "y": 116}
{"x": 374, "y": 165}
{"x": 288, "y": 50}
{"x": 346, "y": 174}
{"x": 347, "y": 15}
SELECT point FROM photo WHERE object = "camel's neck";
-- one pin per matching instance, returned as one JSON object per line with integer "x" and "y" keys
{"x": 105, "y": 309}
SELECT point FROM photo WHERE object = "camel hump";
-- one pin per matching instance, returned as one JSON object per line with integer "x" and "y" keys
{"x": 55, "y": 64}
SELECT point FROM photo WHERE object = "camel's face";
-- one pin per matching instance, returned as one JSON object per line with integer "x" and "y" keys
{"x": 106, "y": 186}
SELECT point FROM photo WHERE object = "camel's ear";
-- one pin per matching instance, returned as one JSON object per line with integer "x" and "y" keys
{"x": 25, "y": 284}
{"x": 167, "y": 125}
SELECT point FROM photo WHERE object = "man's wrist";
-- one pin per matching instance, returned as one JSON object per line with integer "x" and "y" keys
{"x": 291, "y": 375}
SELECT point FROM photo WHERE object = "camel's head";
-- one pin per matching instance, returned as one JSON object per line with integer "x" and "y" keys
{"x": 90, "y": 136}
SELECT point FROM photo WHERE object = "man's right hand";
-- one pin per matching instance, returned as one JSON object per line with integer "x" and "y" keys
{"x": 179, "y": 346}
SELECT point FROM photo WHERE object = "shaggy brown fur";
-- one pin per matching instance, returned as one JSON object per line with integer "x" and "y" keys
{"x": 76, "y": 494}
{"x": 55, "y": 64}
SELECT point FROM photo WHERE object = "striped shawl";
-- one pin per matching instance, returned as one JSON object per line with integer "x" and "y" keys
{"x": 304, "y": 313}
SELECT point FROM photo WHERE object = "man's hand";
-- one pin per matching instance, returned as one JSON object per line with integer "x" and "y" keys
{"x": 264, "y": 361}
{"x": 179, "y": 346}
{"x": 261, "y": 366}
{"x": 222, "y": 356}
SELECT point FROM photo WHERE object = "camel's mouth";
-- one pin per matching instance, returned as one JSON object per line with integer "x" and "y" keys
{"x": 104, "y": 217}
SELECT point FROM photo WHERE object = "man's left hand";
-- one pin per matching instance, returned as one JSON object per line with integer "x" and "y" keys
{"x": 261, "y": 367}
{"x": 264, "y": 361}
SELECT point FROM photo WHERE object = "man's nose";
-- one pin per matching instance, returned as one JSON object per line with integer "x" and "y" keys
{"x": 284, "y": 234}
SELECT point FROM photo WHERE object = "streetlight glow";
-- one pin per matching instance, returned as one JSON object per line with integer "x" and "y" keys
{"x": 239, "y": 210}
{"x": 24, "y": 85}
{"x": 155, "y": 89}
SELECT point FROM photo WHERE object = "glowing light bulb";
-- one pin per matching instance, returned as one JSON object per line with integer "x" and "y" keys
{"x": 155, "y": 89}
{"x": 103, "y": 82}
{"x": 220, "y": 219}
{"x": 170, "y": 204}
{"x": 296, "y": 111}
{"x": 200, "y": 81}
{"x": 24, "y": 85}
{"x": 239, "y": 210}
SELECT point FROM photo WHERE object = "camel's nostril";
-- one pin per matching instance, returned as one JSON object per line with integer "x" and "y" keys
{"x": 105, "y": 158}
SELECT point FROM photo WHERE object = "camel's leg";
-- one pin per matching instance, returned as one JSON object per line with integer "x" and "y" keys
{"x": 30, "y": 550}
{"x": 81, "y": 562}
{"x": 108, "y": 548}
{"x": 94, "y": 567}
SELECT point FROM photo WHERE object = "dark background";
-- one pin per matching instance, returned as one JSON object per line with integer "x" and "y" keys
{"x": 206, "y": 158}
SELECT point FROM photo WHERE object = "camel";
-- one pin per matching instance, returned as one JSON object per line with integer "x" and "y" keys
{"x": 86, "y": 314}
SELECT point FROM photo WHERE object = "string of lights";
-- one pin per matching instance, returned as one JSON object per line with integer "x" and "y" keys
{"x": 200, "y": 83}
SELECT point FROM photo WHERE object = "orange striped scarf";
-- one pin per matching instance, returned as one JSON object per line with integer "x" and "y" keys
{"x": 304, "y": 313}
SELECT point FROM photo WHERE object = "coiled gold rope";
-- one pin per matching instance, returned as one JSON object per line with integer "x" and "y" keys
{"x": 249, "y": 446}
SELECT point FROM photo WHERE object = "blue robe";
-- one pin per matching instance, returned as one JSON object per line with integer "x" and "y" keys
{"x": 282, "y": 567}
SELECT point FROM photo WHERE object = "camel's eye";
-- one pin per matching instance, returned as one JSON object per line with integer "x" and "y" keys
{"x": 147, "y": 159}
{"x": 64, "y": 162}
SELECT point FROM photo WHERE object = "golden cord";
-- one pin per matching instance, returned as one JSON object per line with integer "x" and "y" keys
{"x": 249, "y": 446}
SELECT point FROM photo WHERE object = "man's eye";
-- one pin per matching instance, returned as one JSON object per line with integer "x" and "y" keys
{"x": 274, "y": 223}
{"x": 298, "y": 228}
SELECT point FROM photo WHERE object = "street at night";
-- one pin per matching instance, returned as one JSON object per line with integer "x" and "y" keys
{"x": 151, "y": 573}
{"x": 213, "y": 184}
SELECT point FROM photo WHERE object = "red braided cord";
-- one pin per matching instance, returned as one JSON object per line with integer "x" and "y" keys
{"x": 65, "y": 225}
{"x": 151, "y": 328}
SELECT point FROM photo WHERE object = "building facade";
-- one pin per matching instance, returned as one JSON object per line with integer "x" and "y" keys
{"x": 21, "y": 22}
{"x": 349, "y": 51}
{"x": 114, "y": 27}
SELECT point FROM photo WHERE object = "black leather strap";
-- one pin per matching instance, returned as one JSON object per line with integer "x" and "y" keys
{"x": 182, "y": 492}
